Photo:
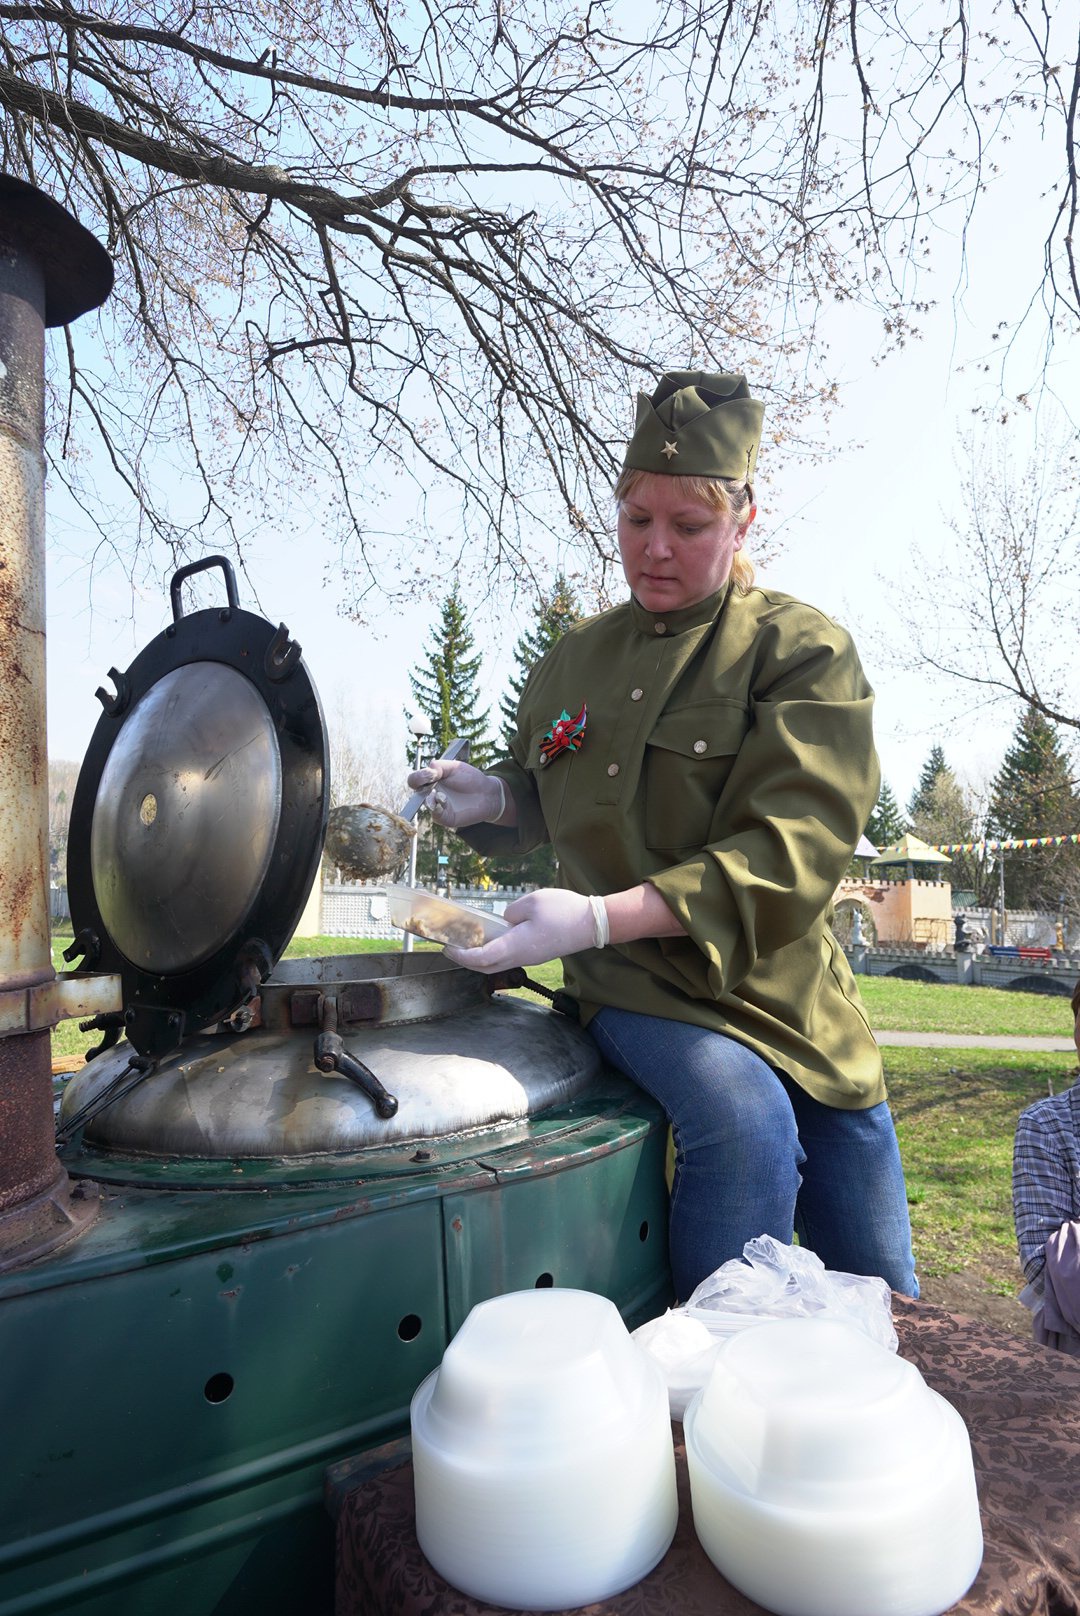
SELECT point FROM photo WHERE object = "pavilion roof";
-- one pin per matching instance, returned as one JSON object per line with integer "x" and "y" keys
{"x": 910, "y": 850}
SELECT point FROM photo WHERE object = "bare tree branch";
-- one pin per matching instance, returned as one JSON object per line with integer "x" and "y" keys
{"x": 357, "y": 245}
{"x": 998, "y": 615}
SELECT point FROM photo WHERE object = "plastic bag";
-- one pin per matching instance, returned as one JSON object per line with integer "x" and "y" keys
{"x": 769, "y": 1281}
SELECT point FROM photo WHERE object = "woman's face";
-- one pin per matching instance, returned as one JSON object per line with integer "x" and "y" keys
{"x": 675, "y": 550}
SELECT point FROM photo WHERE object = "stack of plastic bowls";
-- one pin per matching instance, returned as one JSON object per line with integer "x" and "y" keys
{"x": 828, "y": 1479}
{"x": 542, "y": 1454}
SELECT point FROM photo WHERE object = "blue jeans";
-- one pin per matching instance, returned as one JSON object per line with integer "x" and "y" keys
{"x": 755, "y": 1154}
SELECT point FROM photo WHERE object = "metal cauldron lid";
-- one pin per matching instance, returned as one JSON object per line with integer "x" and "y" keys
{"x": 198, "y": 820}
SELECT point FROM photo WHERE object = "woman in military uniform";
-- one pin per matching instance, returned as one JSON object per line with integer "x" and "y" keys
{"x": 702, "y": 761}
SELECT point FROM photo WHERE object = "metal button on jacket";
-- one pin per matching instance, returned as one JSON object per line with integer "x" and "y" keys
{"x": 636, "y": 695}
{"x": 701, "y": 746}
{"x": 613, "y": 769}
{"x": 661, "y": 628}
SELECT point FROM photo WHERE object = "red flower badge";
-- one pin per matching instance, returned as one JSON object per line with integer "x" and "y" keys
{"x": 565, "y": 735}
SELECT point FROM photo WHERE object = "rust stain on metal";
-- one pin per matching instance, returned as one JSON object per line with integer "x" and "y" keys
{"x": 362, "y": 1001}
{"x": 38, "y": 1209}
{"x": 23, "y": 894}
{"x": 304, "y": 1007}
{"x": 28, "y": 1164}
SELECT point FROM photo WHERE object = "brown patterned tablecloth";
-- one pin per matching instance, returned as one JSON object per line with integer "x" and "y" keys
{"x": 1021, "y": 1403}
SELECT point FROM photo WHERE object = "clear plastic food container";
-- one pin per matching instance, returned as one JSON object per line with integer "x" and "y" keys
{"x": 441, "y": 920}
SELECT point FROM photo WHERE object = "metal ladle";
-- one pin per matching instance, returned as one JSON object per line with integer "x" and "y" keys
{"x": 366, "y": 842}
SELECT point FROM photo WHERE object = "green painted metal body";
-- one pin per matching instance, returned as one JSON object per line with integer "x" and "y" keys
{"x": 173, "y": 1387}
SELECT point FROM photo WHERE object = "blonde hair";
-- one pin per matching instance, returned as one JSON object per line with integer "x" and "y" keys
{"x": 724, "y": 494}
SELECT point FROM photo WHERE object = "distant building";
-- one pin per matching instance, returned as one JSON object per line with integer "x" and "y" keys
{"x": 909, "y": 891}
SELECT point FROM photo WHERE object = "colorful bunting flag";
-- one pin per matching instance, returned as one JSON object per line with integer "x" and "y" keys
{"x": 995, "y": 846}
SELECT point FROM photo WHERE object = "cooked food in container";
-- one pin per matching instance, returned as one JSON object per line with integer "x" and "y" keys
{"x": 441, "y": 920}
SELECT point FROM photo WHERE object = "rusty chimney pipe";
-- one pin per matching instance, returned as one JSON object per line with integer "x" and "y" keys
{"x": 51, "y": 271}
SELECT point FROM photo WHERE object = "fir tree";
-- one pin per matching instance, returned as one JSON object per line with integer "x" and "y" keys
{"x": 944, "y": 814}
{"x": 886, "y": 824}
{"x": 1033, "y": 794}
{"x": 445, "y": 691}
{"x": 445, "y": 687}
{"x": 921, "y": 797}
{"x": 558, "y": 611}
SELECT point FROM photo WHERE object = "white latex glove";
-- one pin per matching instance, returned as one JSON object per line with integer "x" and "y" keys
{"x": 460, "y": 795}
{"x": 544, "y": 925}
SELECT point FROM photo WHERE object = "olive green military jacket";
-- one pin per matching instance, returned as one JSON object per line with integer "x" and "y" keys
{"x": 728, "y": 759}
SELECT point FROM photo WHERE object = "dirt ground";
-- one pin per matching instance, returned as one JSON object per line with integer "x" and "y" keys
{"x": 972, "y": 1293}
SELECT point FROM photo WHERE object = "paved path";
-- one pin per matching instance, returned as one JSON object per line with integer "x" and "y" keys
{"x": 972, "y": 1040}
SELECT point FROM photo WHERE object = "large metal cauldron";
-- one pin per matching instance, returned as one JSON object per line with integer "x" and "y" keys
{"x": 196, "y": 831}
{"x": 421, "y": 1031}
{"x": 304, "y": 1176}
{"x": 307, "y": 1172}
{"x": 177, "y": 1383}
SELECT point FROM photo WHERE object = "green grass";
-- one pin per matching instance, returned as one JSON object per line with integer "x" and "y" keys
{"x": 897, "y": 1006}
{"x": 316, "y": 947}
{"x": 894, "y": 1005}
{"x": 956, "y": 1114}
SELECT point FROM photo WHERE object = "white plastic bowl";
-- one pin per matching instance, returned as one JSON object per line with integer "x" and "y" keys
{"x": 827, "y": 1478}
{"x": 542, "y": 1454}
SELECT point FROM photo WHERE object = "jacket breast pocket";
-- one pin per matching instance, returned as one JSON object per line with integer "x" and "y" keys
{"x": 688, "y": 758}
{"x": 550, "y": 779}
{"x": 534, "y": 760}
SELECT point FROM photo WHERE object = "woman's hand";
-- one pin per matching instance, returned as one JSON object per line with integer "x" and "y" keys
{"x": 462, "y": 795}
{"x": 544, "y": 925}
{"x": 552, "y": 922}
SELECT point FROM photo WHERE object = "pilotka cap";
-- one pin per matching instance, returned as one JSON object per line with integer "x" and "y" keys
{"x": 697, "y": 424}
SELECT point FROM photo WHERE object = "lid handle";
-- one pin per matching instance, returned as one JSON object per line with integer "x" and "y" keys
{"x": 202, "y": 566}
